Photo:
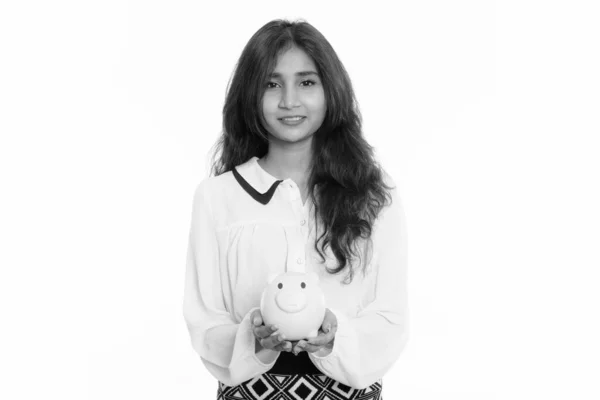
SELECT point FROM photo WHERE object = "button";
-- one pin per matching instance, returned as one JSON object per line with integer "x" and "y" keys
{"x": 303, "y": 222}
{"x": 300, "y": 261}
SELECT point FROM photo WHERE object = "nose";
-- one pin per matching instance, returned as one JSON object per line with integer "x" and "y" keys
{"x": 289, "y": 98}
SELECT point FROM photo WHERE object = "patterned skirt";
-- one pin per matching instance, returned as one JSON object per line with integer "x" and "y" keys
{"x": 306, "y": 383}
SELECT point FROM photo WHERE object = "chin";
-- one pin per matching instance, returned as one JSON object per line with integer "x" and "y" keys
{"x": 294, "y": 139}
{"x": 291, "y": 136}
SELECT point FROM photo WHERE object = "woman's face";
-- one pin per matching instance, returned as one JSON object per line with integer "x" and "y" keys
{"x": 294, "y": 101}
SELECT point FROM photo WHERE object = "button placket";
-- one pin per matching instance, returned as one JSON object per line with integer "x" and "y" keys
{"x": 296, "y": 203}
{"x": 296, "y": 260}
{"x": 304, "y": 221}
{"x": 297, "y": 234}
{"x": 293, "y": 191}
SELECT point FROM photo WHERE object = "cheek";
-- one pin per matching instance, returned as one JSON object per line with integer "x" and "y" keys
{"x": 269, "y": 105}
{"x": 318, "y": 103}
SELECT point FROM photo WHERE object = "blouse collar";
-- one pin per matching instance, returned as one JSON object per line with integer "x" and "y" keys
{"x": 257, "y": 182}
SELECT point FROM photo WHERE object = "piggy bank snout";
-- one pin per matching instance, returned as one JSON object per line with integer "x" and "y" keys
{"x": 291, "y": 302}
{"x": 295, "y": 303}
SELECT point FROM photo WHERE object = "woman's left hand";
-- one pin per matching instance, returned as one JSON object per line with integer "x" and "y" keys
{"x": 324, "y": 338}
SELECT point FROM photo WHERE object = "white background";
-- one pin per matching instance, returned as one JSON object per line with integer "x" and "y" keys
{"x": 486, "y": 114}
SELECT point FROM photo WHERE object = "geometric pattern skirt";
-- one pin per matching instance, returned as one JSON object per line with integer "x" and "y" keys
{"x": 296, "y": 378}
{"x": 296, "y": 387}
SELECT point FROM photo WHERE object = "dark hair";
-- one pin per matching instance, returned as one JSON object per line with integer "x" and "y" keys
{"x": 345, "y": 182}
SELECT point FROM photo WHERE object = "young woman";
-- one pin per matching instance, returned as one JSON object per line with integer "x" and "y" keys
{"x": 295, "y": 187}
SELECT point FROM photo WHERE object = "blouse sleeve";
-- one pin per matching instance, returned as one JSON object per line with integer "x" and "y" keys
{"x": 366, "y": 346}
{"x": 226, "y": 347}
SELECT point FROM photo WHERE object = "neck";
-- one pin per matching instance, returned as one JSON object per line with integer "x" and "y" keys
{"x": 288, "y": 163}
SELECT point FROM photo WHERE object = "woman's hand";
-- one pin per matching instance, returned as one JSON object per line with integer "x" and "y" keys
{"x": 324, "y": 339}
{"x": 268, "y": 336}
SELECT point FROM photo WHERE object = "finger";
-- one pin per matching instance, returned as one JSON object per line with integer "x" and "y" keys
{"x": 320, "y": 340}
{"x": 265, "y": 331}
{"x": 260, "y": 332}
{"x": 273, "y": 341}
{"x": 284, "y": 346}
{"x": 295, "y": 348}
{"x": 330, "y": 318}
{"x": 299, "y": 347}
{"x": 256, "y": 318}
{"x": 323, "y": 339}
{"x": 309, "y": 348}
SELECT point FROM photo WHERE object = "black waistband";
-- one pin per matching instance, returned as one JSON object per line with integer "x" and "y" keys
{"x": 289, "y": 364}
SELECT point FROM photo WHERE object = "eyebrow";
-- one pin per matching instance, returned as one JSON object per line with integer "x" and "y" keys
{"x": 301, "y": 73}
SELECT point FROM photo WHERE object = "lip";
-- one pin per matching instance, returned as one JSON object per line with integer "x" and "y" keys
{"x": 289, "y": 121}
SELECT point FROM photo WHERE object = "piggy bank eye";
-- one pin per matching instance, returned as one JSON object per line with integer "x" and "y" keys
{"x": 303, "y": 285}
{"x": 280, "y": 285}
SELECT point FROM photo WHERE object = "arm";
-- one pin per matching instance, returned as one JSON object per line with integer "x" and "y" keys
{"x": 366, "y": 346}
{"x": 226, "y": 347}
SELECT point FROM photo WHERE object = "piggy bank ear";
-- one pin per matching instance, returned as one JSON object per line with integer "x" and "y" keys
{"x": 313, "y": 275}
{"x": 272, "y": 277}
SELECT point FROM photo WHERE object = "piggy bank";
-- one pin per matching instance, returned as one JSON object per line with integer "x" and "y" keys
{"x": 295, "y": 303}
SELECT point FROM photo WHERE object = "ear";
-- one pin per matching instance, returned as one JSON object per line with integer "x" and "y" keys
{"x": 313, "y": 275}
{"x": 272, "y": 277}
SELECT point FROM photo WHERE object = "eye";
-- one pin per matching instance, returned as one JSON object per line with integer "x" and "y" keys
{"x": 272, "y": 85}
{"x": 307, "y": 83}
{"x": 303, "y": 285}
{"x": 280, "y": 285}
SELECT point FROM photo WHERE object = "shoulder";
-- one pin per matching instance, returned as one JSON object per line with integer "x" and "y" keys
{"x": 212, "y": 185}
{"x": 213, "y": 190}
{"x": 223, "y": 184}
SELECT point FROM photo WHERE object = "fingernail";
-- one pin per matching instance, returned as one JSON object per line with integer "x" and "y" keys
{"x": 274, "y": 327}
{"x": 327, "y": 328}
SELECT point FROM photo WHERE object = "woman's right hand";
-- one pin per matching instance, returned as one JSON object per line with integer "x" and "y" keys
{"x": 268, "y": 336}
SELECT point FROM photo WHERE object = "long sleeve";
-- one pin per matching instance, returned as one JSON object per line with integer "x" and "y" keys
{"x": 226, "y": 347}
{"x": 366, "y": 346}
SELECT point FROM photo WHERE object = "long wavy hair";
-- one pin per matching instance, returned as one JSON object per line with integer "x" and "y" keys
{"x": 345, "y": 181}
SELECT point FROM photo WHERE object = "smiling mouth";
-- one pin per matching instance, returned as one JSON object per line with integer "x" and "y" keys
{"x": 292, "y": 119}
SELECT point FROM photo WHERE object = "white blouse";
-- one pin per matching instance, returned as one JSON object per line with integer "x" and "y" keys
{"x": 235, "y": 242}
